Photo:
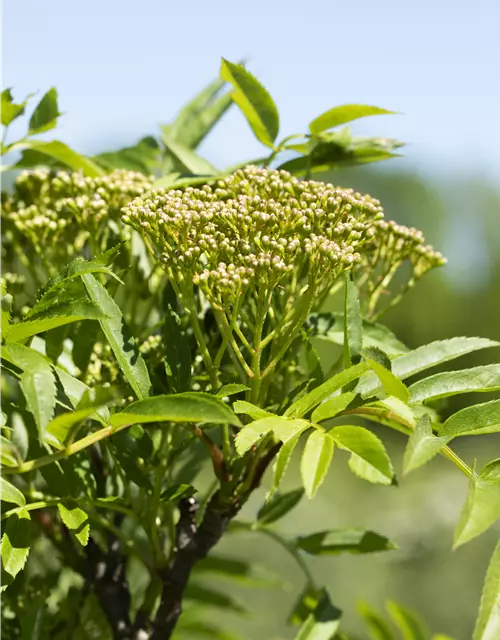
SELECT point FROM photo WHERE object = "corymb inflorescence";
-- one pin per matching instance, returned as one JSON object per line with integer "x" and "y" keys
{"x": 265, "y": 248}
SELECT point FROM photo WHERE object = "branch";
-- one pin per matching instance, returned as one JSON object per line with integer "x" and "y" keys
{"x": 192, "y": 545}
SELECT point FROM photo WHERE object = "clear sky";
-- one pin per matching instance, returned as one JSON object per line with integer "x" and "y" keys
{"x": 123, "y": 66}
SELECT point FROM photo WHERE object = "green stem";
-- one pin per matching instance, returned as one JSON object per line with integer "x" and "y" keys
{"x": 73, "y": 448}
{"x": 286, "y": 545}
{"x": 154, "y": 502}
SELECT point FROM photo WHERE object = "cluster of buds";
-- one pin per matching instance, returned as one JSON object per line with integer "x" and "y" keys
{"x": 392, "y": 246}
{"x": 102, "y": 368}
{"x": 255, "y": 230}
{"x": 58, "y": 211}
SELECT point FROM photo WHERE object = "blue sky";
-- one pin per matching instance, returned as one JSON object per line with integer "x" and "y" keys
{"x": 122, "y": 67}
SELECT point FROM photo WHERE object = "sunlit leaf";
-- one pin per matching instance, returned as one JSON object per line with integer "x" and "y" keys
{"x": 61, "y": 152}
{"x": 77, "y": 521}
{"x": 369, "y": 459}
{"x": 442, "y": 385}
{"x": 391, "y": 384}
{"x": 316, "y": 459}
{"x": 45, "y": 115}
{"x": 482, "y": 507}
{"x": 474, "y": 420}
{"x": 37, "y": 382}
{"x": 119, "y": 338}
{"x": 325, "y": 390}
{"x": 254, "y": 101}
{"x": 10, "y": 493}
{"x": 16, "y": 541}
{"x": 182, "y": 407}
{"x": 332, "y": 407}
{"x": 488, "y": 619}
{"x": 344, "y": 114}
{"x": 422, "y": 445}
{"x": 425, "y": 357}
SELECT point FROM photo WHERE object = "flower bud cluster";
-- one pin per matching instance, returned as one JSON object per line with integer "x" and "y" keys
{"x": 66, "y": 207}
{"x": 396, "y": 243}
{"x": 102, "y": 368}
{"x": 256, "y": 228}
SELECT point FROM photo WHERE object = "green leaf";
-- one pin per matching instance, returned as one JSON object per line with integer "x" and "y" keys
{"x": 196, "y": 119}
{"x": 450, "y": 383}
{"x": 425, "y": 357}
{"x": 343, "y": 114}
{"x": 188, "y": 160}
{"x": 332, "y": 407}
{"x": 482, "y": 507}
{"x": 37, "y": 382}
{"x": 408, "y": 622}
{"x": 231, "y": 390}
{"x": 176, "y": 492}
{"x": 391, "y": 384}
{"x": 471, "y": 421}
{"x": 278, "y": 506}
{"x": 353, "y": 323}
{"x": 50, "y": 294}
{"x": 182, "y": 407}
{"x": 10, "y": 111}
{"x": 45, "y": 114}
{"x": 344, "y": 541}
{"x": 77, "y": 521}
{"x": 377, "y": 626}
{"x": 10, "y": 493}
{"x": 369, "y": 459}
{"x": 283, "y": 460}
{"x": 249, "y": 409}
{"x": 16, "y": 542}
{"x": 316, "y": 459}
{"x": 63, "y": 426}
{"x": 325, "y": 390}
{"x": 254, "y": 101}
{"x": 64, "y": 154}
{"x": 488, "y": 620}
{"x": 422, "y": 445}
{"x": 143, "y": 157}
{"x": 76, "y": 391}
{"x": 283, "y": 428}
{"x": 54, "y": 317}
{"x": 118, "y": 336}
{"x": 330, "y": 326}
{"x": 322, "y": 623}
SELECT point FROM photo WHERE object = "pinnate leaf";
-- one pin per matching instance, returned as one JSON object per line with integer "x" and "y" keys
{"x": 332, "y": 407}
{"x": 322, "y": 623}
